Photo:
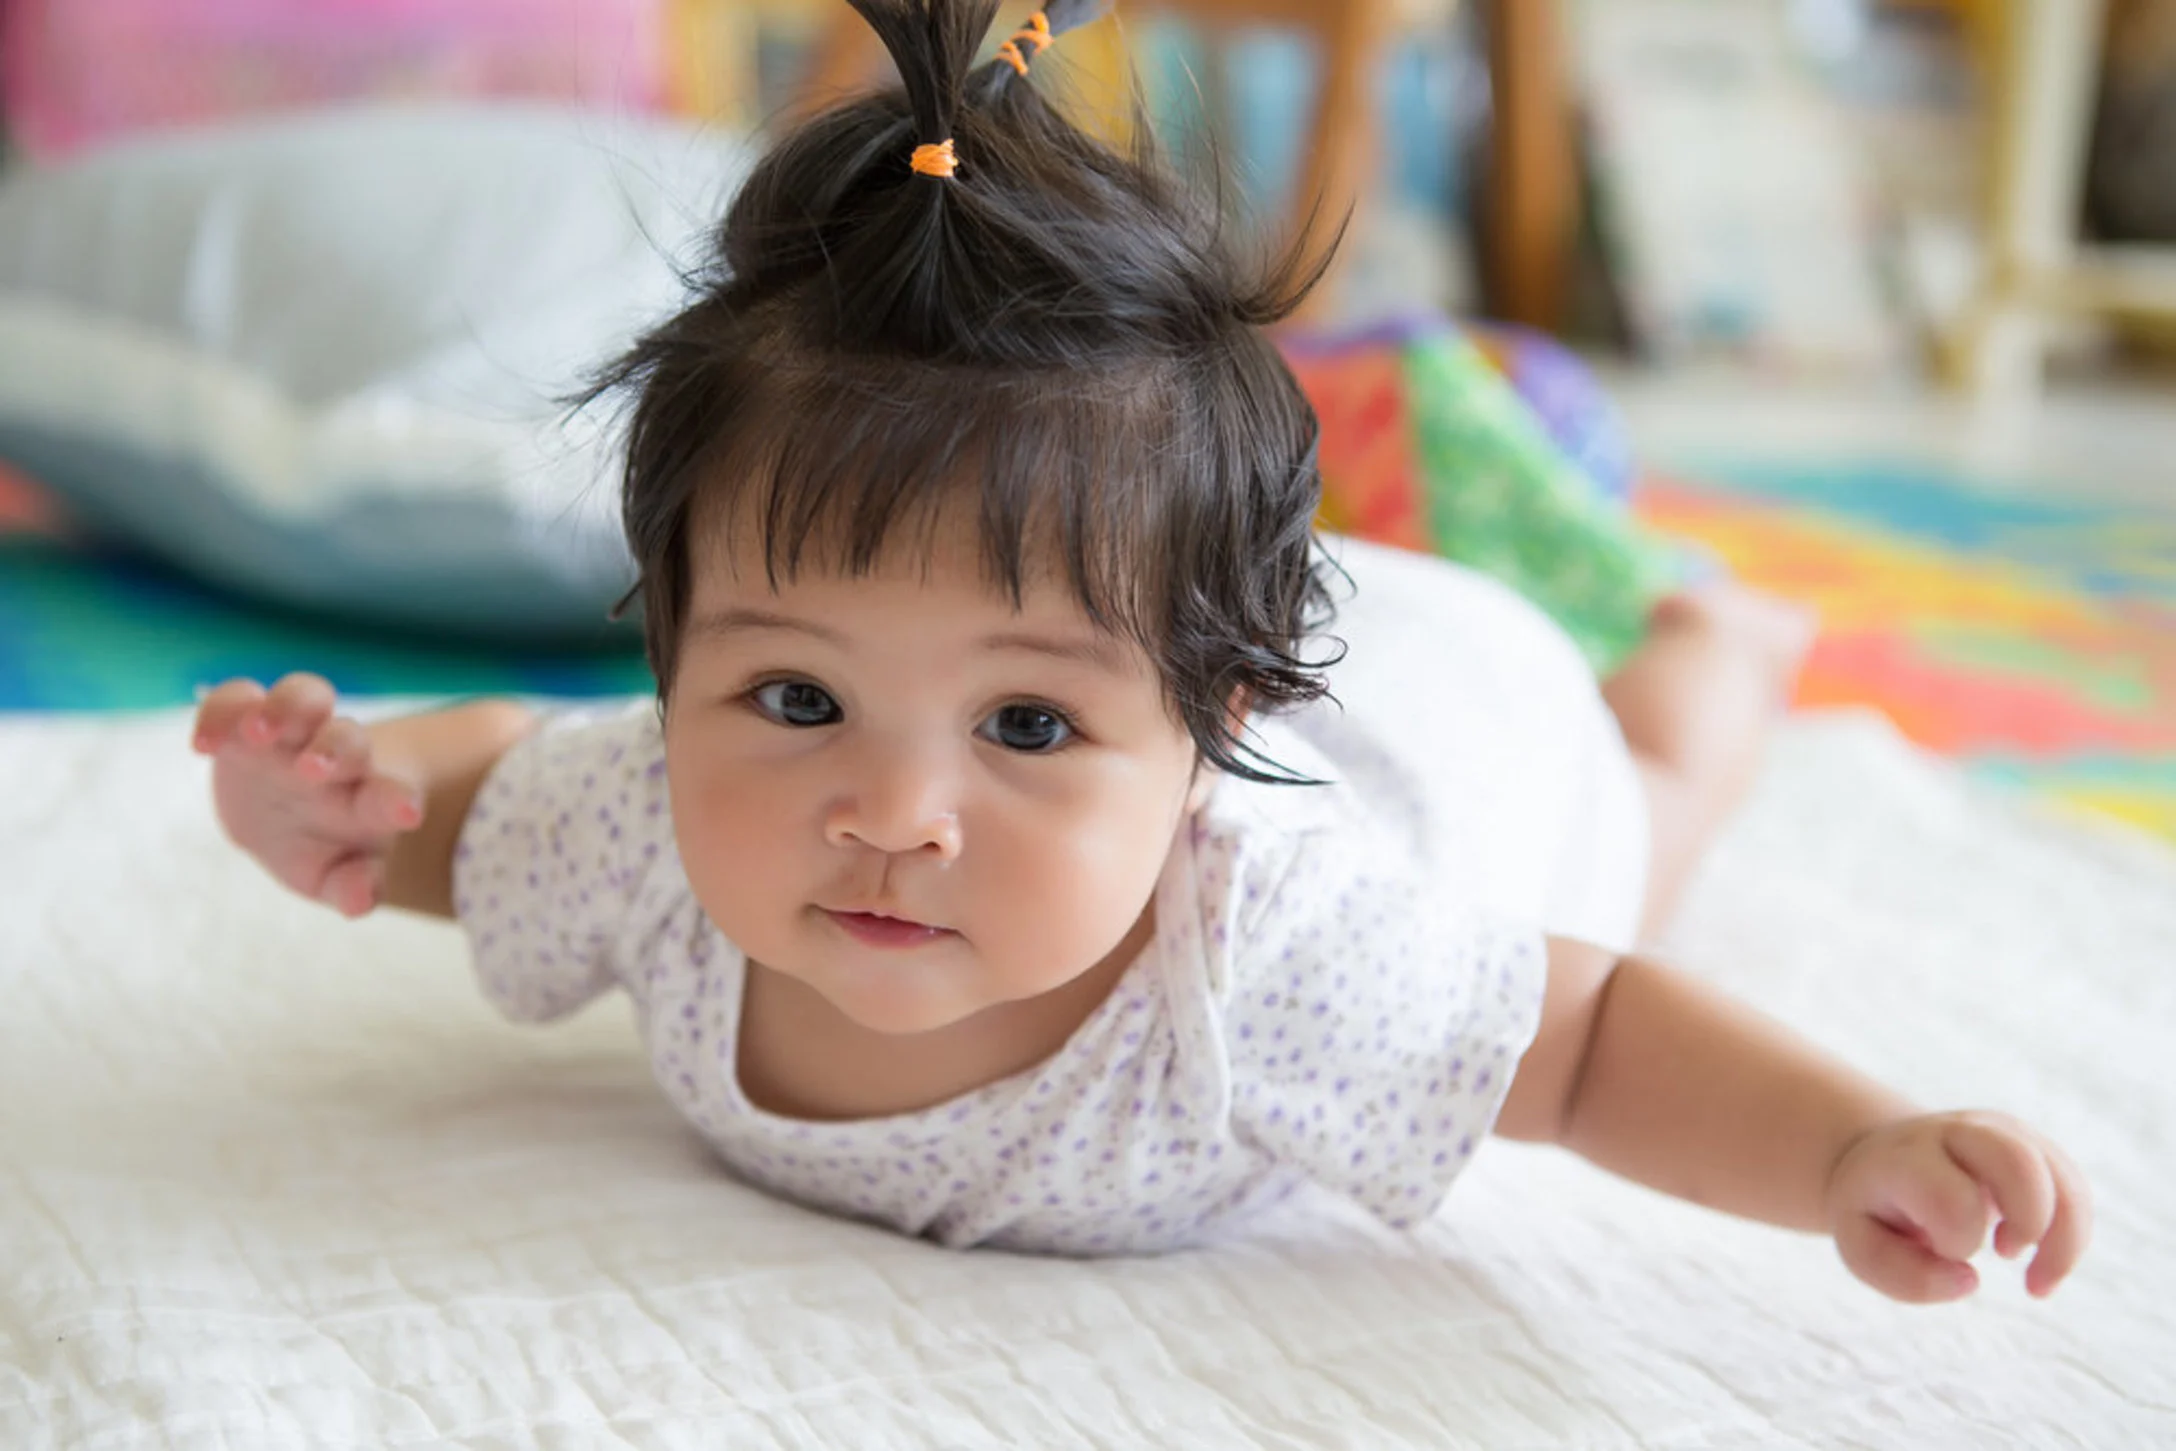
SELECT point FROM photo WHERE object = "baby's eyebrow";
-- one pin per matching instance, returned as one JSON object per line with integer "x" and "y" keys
{"x": 723, "y": 624}
{"x": 1090, "y": 650}
{"x": 1082, "y": 649}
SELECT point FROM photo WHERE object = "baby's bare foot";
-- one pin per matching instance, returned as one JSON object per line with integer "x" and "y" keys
{"x": 1775, "y": 632}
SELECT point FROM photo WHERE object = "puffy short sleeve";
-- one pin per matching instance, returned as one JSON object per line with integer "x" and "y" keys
{"x": 554, "y": 851}
{"x": 1373, "y": 1029}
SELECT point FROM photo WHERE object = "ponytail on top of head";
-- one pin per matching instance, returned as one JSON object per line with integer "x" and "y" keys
{"x": 1038, "y": 217}
{"x": 1054, "y": 333}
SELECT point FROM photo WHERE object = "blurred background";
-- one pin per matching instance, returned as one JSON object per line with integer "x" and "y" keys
{"x": 1872, "y": 302}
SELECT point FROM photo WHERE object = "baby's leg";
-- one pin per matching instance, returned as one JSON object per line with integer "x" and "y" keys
{"x": 1696, "y": 703}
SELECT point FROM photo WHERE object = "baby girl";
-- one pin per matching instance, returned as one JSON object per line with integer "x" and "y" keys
{"x": 1041, "y": 837}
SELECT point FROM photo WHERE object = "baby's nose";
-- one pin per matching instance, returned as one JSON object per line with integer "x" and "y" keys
{"x": 900, "y": 802}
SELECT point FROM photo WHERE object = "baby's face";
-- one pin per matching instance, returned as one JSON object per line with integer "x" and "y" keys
{"x": 910, "y": 796}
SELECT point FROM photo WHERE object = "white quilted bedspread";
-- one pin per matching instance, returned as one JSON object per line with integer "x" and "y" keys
{"x": 269, "y": 1180}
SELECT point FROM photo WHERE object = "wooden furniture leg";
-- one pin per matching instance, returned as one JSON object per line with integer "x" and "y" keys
{"x": 1531, "y": 202}
{"x": 1344, "y": 156}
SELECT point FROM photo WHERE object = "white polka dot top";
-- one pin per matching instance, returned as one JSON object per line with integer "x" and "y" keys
{"x": 1321, "y": 1002}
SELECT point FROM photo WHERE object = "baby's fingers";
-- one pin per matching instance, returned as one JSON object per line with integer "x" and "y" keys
{"x": 2068, "y": 1233}
{"x": 295, "y": 711}
{"x": 382, "y": 807}
{"x": 386, "y": 807}
{"x": 337, "y": 754}
{"x": 351, "y": 885}
{"x": 2001, "y": 1155}
{"x": 2039, "y": 1193}
{"x": 221, "y": 712}
{"x": 1898, "y": 1265}
{"x": 1934, "y": 1198}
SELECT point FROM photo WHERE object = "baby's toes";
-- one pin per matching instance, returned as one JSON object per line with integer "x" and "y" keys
{"x": 338, "y": 754}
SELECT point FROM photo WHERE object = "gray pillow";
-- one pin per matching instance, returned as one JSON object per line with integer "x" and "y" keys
{"x": 323, "y": 359}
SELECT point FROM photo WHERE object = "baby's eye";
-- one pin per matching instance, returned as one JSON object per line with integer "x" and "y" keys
{"x": 796, "y": 703}
{"x": 1031, "y": 729}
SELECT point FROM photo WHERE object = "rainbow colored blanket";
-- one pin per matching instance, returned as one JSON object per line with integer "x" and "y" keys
{"x": 2032, "y": 640}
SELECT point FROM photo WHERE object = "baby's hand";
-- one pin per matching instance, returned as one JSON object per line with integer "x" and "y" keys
{"x": 297, "y": 789}
{"x": 1912, "y": 1201}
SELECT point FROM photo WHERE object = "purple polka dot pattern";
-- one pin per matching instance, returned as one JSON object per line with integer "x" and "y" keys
{"x": 1307, "y": 1012}
{"x": 1376, "y": 1043}
{"x": 550, "y": 860}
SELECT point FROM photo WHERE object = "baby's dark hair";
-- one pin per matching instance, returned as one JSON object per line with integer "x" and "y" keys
{"x": 1058, "y": 338}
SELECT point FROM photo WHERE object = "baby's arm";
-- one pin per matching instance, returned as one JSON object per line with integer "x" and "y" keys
{"x": 1656, "y": 1077}
{"x": 350, "y": 816}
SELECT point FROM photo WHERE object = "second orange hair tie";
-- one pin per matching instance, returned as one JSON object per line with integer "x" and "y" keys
{"x": 1035, "y": 35}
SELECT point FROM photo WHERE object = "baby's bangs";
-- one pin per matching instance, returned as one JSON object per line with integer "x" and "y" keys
{"x": 843, "y": 468}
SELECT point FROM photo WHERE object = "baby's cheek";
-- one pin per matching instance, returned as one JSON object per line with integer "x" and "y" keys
{"x": 1078, "y": 890}
{"x": 734, "y": 860}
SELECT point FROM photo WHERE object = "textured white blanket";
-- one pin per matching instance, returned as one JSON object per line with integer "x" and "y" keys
{"x": 269, "y": 1180}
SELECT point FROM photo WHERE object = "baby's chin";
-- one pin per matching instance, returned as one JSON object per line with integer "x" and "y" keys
{"x": 893, "y": 1017}
{"x": 904, "y": 1002}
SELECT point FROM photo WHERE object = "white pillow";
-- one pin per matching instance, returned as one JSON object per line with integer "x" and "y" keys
{"x": 323, "y": 359}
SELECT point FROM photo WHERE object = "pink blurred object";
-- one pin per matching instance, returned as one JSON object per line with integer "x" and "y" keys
{"x": 77, "y": 72}
{"x": 25, "y": 508}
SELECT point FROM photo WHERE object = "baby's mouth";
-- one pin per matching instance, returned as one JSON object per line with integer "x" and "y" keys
{"x": 877, "y": 929}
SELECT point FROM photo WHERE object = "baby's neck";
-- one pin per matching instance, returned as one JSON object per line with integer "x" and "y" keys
{"x": 800, "y": 1057}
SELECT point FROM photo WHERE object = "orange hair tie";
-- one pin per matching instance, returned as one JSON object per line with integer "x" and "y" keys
{"x": 1035, "y": 34}
{"x": 935, "y": 160}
